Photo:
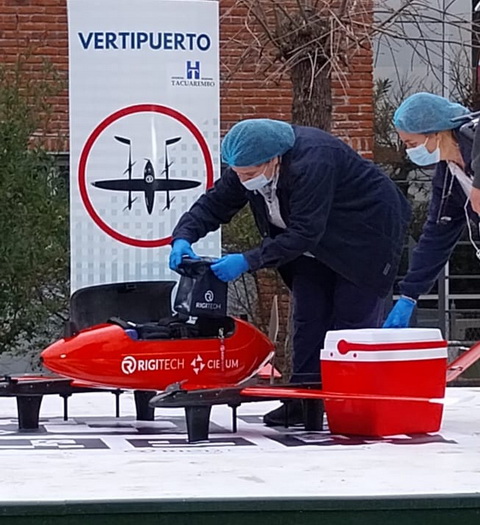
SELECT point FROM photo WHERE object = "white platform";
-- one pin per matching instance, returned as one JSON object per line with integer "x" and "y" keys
{"x": 95, "y": 456}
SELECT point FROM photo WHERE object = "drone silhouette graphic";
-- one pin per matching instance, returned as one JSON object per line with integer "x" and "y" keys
{"x": 149, "y": 185}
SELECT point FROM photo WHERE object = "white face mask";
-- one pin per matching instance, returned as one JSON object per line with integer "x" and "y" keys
{"x": 422, "y": 157}
{"x": 256, "y": 183}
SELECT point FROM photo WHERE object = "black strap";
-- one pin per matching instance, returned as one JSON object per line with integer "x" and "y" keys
{"x": 120, "y": 322}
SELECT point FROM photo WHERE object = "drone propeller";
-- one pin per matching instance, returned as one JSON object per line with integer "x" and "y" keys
{"x": 130, "y": 165}
{"x": 171, "y": 390}
{"x": 130, "y": 202}
{"x": 169, "y": 201}
{"x": 167, "y": 167}
{"x": 123, "y": 140}
{"x": 129, "y": 168}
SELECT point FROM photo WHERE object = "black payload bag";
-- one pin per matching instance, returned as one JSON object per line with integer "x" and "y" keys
{"x": 200, "y": 293}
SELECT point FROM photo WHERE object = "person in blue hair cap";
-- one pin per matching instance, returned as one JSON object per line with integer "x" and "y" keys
{"x": 331, "y": 222}
{"x": 426, "y": 113}
{"x": 275, "y": 137}
{"x": 430, "y": 126}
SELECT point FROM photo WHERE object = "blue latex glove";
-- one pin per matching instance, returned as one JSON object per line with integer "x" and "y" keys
{"x": 181, "y": 248}
{"x": 399, "y": 316}
{"x": 230, "y": 267}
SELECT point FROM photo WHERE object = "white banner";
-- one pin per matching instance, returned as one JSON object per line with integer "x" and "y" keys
{"x": 144, "y": 132}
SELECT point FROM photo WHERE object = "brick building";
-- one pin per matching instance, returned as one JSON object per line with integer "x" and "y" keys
{"x": 38, "y": 28}
{"x": 248, "y": 95}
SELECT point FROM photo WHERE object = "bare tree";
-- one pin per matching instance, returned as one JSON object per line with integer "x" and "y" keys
{"x": 314, "y": 41}
{"x": 307, "y": 40}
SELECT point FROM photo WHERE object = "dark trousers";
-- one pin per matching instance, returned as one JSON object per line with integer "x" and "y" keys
{"x": 323, "y": 301}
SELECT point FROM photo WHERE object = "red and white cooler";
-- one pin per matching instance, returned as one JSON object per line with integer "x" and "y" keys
{"x": 404, "y": 362}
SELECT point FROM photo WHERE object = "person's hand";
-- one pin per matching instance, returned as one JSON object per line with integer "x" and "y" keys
{"x": 399, "y": 316}
{"x": 180, "y": 249}
{"x": 230, "y": 267}
{"x": 475, "y": 200}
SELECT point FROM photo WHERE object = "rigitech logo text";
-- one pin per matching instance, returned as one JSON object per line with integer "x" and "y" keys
{"x": 131, "y": 364}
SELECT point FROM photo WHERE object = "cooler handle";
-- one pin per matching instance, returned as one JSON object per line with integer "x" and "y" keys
{"x": 344, "y": 346}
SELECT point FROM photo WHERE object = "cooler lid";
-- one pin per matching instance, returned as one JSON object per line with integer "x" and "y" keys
{"x": 384, "y": 344}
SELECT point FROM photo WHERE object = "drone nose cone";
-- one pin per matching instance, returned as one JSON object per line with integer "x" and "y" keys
{"x": 54, "y": 357}
{"x": 148, "y": 169}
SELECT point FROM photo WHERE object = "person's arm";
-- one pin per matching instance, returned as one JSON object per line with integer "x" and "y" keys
{"x": 436, "y": 242}
{"x": 215, "y": 207}
{"x": 475, "y": 194}
{"x": 312, "y": 188}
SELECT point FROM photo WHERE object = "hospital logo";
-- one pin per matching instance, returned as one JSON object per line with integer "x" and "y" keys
{"x": 193, "y": 76}
{"x": 193, "y": 70}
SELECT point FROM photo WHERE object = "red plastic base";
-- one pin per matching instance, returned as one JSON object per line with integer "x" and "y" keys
{"x": 423, "y": 378}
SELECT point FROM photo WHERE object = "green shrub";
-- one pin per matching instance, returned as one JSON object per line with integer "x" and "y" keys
{"x": 33, "y": 212}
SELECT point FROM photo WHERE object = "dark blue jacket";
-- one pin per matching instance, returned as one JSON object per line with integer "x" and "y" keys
{"x": 337, "y": 205}
{"x": 444, "y": 226}
{"x": 476, "y": 157}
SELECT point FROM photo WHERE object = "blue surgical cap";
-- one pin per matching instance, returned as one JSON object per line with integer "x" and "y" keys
{"x": 427, "y": 113}
{"x": 255, "y": 141}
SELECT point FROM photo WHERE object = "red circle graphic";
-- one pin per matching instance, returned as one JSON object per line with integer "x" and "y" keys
{"x": 82, "y": 166}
